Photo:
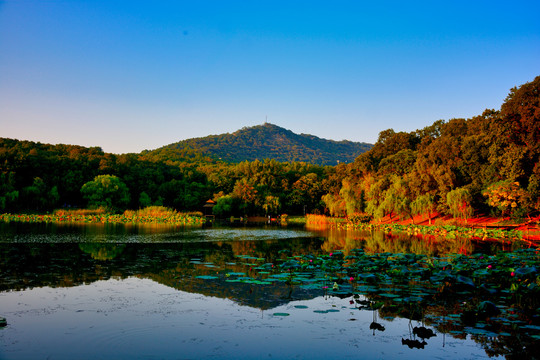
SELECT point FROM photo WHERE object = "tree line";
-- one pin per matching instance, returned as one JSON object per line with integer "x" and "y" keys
{"x": 41, "y": 177}
{"x": 485, "y": 164}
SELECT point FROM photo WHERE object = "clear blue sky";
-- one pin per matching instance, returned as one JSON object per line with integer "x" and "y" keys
{"x": 135, "y": 75}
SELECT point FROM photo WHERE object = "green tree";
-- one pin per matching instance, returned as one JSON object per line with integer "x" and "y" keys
{"x": 520, "y": 114}
{"x": 106, "y": 191}
{"x": 397, "y": 199}
{"x": 424, "y": 204}
{"x": 35, "y": 195}
{"x": 335, "y": 204}
{"x": 144, "y": 200}
{"x": 459, "y": 203}
{"x": 533, "y": 190}
{"x": 8, "y": 193}
{"x": 375, "y": 197}
{"x": 225, "y": 206}
{"x": 353, "y": 195}
{"x": 271, "y": 204}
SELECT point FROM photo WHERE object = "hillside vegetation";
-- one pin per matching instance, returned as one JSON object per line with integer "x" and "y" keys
{"x": 487, "y": 164}
{"x": 262, "y": 142}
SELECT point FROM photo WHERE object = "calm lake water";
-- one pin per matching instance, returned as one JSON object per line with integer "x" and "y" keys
{"x": 155, "y": 292}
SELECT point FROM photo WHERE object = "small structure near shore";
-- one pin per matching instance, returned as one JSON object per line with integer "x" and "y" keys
{"x": 208, "y": 206}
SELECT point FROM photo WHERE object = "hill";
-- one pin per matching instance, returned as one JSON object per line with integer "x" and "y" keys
{"x": 261, "y": 142}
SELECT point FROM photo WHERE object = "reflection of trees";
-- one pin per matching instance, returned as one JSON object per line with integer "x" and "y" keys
{"x": 102, "y": 251}
{"x": 444, "y": 313}
{"x": 26, "y": 265}
{"x": 379, "y": 242}
{"x": 178, "y": 265}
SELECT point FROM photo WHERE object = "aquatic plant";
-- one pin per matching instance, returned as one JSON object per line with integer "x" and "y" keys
{"x": 485, "y": 289}
{"x": 152, "y": 215}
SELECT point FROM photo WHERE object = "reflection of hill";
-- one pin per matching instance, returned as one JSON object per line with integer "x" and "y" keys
{"x": 202, "y": 268}
{"x": 257, "y": 296}
{"x": 176, "y": 265}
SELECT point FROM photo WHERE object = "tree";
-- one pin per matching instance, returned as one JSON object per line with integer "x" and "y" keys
{"x": 305, "y": 193}
{"x": 8, "y": 193}
{"x": 353, "y": 195}
{"x": 106, "y": 191}
{"x": 533, "y": 190}
{"x": 375, "y": 197}
{"x": 459, "y": 203}
{"x": 246, "y": 193}
{"x": 144, "y": 200}
{"x": 504, "y": 195}
{"x": 225, "y": 206}
{"x": 38, "y": 197}
{"x": 396, "y": 198}
{"x": 520, "y": 113}
{"x": 271, "y": 205}
{"x": 424, "y": 204}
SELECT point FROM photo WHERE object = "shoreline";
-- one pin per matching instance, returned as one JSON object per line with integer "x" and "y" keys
{"x": 480, "y": 227}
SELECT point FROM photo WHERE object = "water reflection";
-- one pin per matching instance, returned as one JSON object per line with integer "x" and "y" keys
{"x": 376, "y": 241}
{"x": 102, "y": 251}
{"x": 140, "y": 264}
{"x": 139, "y": 318}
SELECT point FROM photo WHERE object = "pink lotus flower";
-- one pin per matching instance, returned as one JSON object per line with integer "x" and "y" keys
{"x": 489, "y": 266}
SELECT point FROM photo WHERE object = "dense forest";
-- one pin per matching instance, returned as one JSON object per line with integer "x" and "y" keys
{"x": 486, "y": 164}
{"x": 40, "y": 177}
{"x": 261, "y": 142}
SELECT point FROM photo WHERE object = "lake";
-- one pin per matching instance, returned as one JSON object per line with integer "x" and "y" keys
{"x": 159, "y": 292}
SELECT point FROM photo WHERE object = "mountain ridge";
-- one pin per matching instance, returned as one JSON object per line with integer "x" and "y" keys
{"x": 266, "y": 141}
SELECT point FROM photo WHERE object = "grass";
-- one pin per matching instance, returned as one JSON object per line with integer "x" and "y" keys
{"x": 149, "y": 215}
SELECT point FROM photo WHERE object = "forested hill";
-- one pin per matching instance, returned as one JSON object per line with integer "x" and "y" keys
{"x": 261, "y": 142}
{"x": 488, "y": 164}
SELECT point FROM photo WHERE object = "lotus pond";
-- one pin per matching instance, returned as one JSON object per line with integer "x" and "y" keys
{"x": 123, "y": 291}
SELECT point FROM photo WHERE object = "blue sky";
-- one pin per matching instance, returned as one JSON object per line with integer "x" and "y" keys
{"x": 135, "y": 75}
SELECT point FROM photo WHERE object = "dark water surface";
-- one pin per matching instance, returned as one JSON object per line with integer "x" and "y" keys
{"x": 154, "y": 292}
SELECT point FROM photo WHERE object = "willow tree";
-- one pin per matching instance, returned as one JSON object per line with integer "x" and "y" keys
{"x": 424, "y": 204}
{"x": 335, "y": 204}
{"x": 271, "y": 204}
{"x": 459, "y": 203}
{"x": 397, "y": 198}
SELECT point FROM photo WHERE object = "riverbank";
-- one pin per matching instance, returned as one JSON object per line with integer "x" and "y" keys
{"x": 150, "y": 215}
{"x": 530, "y": 228}
{"x": 480, "y": 227}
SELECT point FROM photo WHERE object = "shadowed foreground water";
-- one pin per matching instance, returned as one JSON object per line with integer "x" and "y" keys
{"x": 139, "y": 318}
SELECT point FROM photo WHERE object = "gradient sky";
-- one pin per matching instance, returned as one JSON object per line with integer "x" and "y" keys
{"x": 135, "y": 75}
